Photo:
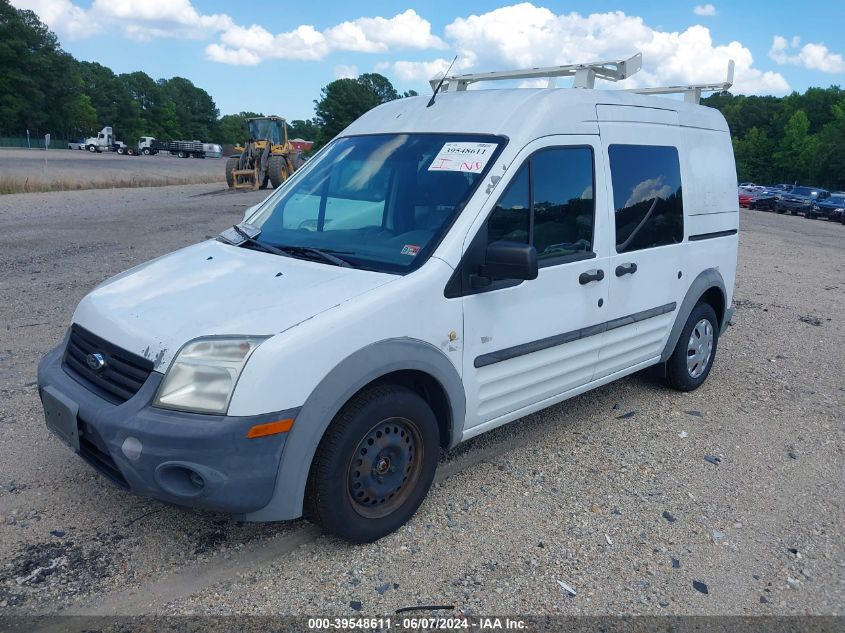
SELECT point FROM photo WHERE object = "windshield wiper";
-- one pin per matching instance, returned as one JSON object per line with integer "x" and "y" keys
{"x": 267, "y": 248}
{"x": 325, "y": 255}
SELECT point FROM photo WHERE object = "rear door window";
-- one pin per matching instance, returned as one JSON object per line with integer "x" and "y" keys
{"x": 647, "y": 196}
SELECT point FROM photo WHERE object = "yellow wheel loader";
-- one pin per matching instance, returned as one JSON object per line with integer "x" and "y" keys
{"x": 268, "y": 156}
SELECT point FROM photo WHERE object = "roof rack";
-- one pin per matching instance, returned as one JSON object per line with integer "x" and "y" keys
{"x": 585, "y": 77}
{"x": 585, "y": 74}
{"x": 692, "y": 93}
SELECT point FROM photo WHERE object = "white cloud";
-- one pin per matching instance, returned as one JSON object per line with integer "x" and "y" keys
{"x": 813, "y": 56}
{"x": 526, "y": 36}
{"x": 343, "y": 71}
{"x": 138, "y": 19}
{"x": 59, "y": 13}
{"x": 367, "y": 35}
{"x": 704, "y": 10}
{"x": 372, "y": 35}
{"x": 143, "y": 20}
{"x": 648, "y": 190}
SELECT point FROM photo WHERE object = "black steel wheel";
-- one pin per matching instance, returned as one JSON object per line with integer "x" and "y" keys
{"x": 385, "y": 467}
{"x": 374, "y": 465}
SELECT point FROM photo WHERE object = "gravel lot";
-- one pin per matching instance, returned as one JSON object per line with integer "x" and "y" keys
{"x": 80, "y": 166}
{"x": 608, "y": 492}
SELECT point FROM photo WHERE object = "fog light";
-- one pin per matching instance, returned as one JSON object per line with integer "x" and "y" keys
{"x": 132, "y": 447}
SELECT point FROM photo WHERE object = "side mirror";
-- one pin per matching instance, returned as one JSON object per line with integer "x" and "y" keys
{"x": 510, "y": 260}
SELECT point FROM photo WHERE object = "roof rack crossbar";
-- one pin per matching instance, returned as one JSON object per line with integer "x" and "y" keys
{"x": 692, "y": 93}
{"x": 585, "y": 74}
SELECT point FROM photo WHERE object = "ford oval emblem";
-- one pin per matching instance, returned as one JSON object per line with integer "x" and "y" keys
{"x": 95, "y": 361}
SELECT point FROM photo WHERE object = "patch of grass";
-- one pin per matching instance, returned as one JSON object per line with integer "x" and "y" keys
{"x": 21, "y": 184}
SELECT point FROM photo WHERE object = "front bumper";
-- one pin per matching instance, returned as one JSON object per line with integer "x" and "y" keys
{"x": 196, "y": 460}
{"x": 793, "y": 207}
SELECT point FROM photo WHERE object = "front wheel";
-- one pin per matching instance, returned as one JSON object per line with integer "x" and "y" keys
{"x": 231, "y": 166}
{"x": 92, "y": 148}
{"x": 374, "y": 465}
{"x": 146, "y": 151}
{"x": 690, "y": 363}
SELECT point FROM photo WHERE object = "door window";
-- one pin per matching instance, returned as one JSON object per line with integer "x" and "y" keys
{"x": 549, "y": 204}
{"x": 646, "y": 196}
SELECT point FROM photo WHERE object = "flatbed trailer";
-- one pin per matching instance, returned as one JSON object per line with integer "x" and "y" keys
{"x": 182, "y": 149}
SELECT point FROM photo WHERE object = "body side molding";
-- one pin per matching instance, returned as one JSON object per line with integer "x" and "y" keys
{"x": 567, "y": 337}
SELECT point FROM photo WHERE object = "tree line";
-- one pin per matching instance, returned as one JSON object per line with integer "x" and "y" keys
{"x": 43, "y": 89}
{"x": 797, "y": 138}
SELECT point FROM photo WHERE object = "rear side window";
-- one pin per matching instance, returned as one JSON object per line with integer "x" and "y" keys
{"x": 549, "y": 204}
{"x": 646, "y": 196}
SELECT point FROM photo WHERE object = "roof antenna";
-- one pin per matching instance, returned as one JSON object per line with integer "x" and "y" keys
{"x": 440, "y": 85}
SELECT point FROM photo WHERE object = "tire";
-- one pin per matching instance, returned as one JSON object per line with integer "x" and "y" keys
{"x": 278, "y": 170}
{"x": 121, "y": 151}
{"x": 231, "y": 165}
{"x": 92, "y": 148}
{"x": 182, "y": 155}
{"x": 702, "y": 326}
{"x": 146, "y": 151}
{"x": 362, "y": 495}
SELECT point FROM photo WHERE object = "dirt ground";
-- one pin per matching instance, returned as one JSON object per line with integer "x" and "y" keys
{"x": 74, "y": 167}
{"x": 610, "y": 492}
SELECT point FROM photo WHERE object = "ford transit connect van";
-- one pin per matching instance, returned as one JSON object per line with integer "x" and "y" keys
{"x": 439, "y": 269}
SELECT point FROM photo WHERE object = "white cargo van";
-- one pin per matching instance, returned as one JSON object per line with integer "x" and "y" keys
{"x": 441, "y": 268}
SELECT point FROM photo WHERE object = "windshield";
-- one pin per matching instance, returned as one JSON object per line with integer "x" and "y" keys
{"x": 266, "y": 129}
{"x": 837, "y": 200}
{"x": 381, "y": 202}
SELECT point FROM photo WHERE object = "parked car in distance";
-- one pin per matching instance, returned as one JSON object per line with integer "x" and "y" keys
{"x": 80, "y": 144}
{"x": 765, "y": 199}
{"x": 745, "y": 197}
{"x": 830, "y": 208}
{"x": 800, "y": 200}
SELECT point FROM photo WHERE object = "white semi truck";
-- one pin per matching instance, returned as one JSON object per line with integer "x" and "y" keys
{"x": 105, "y": 142}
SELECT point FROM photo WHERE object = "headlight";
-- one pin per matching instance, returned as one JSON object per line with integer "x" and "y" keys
{"x": 204, "y": 373}
{"x": 838, "y": 210}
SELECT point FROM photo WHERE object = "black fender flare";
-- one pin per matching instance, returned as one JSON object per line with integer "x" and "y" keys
{"x": 707, "y": 279}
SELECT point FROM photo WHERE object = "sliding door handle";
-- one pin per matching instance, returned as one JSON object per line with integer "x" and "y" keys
{"x": 626, "y": 269}
{"x": 590, "y": 275}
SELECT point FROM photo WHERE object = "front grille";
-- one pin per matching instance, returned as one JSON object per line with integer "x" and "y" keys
{"x": 120, "y": 378}
{"x": 101, "y": 462}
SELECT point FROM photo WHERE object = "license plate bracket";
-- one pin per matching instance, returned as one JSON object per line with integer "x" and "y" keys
{"x": 60, "y": 413}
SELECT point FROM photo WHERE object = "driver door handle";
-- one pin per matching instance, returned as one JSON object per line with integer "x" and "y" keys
{"x": 626, "y": 269}
{"x": 590, "y": 275}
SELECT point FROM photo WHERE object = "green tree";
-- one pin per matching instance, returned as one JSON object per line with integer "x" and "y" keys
{"x": 40, "y": 87}
{"x": 344, "y": 100}
{"x": 306, "y": 130}
{"x": 754, "y": 156}
{"x": 231, "y": 128}
{"x": 797, "y": 149}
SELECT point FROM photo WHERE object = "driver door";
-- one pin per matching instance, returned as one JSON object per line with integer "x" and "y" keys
{"x": 527, "y": 343}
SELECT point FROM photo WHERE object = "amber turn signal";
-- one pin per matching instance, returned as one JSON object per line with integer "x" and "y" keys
{"x": 270, "y": 428}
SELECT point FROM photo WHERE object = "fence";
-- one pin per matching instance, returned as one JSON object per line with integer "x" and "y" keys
{"x": 36, "y": 142}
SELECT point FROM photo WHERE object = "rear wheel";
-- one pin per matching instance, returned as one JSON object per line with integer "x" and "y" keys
{"x": 374, "y": 465}
{"x": 690, "y": 363}
{"x": 278, "y": 170}
{"x": 231, "y": 166}
{"x": 121, "y": 151}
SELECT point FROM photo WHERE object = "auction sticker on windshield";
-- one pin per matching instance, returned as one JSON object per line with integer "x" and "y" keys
{"x": 461, "y": 156}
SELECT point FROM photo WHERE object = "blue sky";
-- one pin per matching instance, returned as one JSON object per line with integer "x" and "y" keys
{"x": 274, "y": 57}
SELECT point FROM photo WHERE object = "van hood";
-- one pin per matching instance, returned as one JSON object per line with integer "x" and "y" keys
{"x": 214, "y": 288}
